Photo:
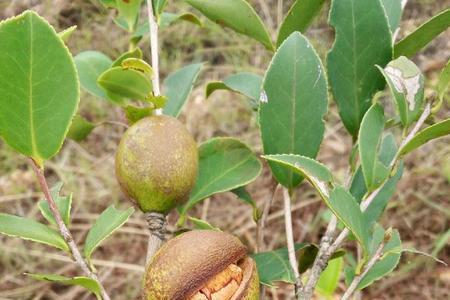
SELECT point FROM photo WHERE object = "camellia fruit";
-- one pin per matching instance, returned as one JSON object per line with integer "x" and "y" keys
{"x": 156, "y": 163}
{"x": 202, "y": 265}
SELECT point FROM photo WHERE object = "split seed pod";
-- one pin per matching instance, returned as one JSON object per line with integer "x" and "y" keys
{"x": 156, "y": 163}
{"x": 202, "y": 265}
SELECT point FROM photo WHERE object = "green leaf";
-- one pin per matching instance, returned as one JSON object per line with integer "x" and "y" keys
{"x": 299, "y": 17}
{"x": 375, "y": 172}
{"x": 329, "y": 279}
{"x": 201, "y": 224}
{"x": 406, "y": 83}
{"x": 134, "y": 113}
{"x": 274, "y": 266}
{"x": 224, "y": 164}
{"x": 158, "y": 6}
{"x": 66, "y": 33}
{"x": 126, "y": 83}
{"x": 138, "y": 65}
{"x": 109, "y": 221}
{"x": 168, "y": 19}
{"x": 363, "y": 40}
{"x": 394, "y": 10}
{"x": 432, "y": 132}
{"x": 346, "y": 208}
{"x": 85, "y": 282}
{"x": 316, "y": 173}
{"x": 80, "y": 129}
{"x": 247, "y": 84}
{"x": 291, "y": 119}
{"x": 39, "y": 91}
{"x": 28, "y": 229}
{"x": 237, "y": 15}
{"x": 444, "y": 82}
{"x": 90, "y": 65}
{"x": 135, "y": 53}
{"x": 417, "y": 40}
{"x": 178, "y": 86}
{"x": 109, "y": 3}
{"x": 129, "y": 11}
{"x": 244, "y": 195}
{"x": 63, "y": 203}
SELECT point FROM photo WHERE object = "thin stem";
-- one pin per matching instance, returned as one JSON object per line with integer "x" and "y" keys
{"x": 65, "y": 233}
{"x": 290, "y": 239}
{"x": 262, "y": 222}
{"x": 154, "y": 47}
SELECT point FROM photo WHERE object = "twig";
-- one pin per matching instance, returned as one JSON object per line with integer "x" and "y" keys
{"x": 290, "y": 239}
{"x": 65, "y": 233}
{"x": 325, "y": 253}
{"x": 154, "y": 47}
{"x": 262, "y": 222}
{"x": 157, "y": 227}
{"x": 377, "y": 255}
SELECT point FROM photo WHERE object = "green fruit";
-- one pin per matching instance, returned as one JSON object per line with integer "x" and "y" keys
{"x": 201, "y": 264}
{"x": 156, "y": 163}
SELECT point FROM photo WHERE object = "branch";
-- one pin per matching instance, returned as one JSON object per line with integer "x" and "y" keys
{"x": 262, "y": 222}
{"x": 154, "y": 47}
{"x": 157, "y": 227}
{"x": 290, "y": 240}
{"x": 65, "y": 233}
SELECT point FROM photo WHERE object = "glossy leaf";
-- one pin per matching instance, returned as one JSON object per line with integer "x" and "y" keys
{"x": 224, "y": 164}
{"x": 168, "y": 19}
{"x": 126, "y": 83}
{"x": 39, "y": 91}
{"x": 291, "y": 120}
{"x": 67, "y": 33}
{"x": 63, "y": 203}
{"x": 274, "y": 266}
{"x": 28, "y": 229}
{"x": 177, "y": 87}
{"x": 346, "y": 208}
{"x": 315, "y": 172}
{"x": 80, "y": 129}
{"x": 129, "y": 11}
{"x": 432, "y": 132}
{"x": 363, "y": 40}
{"x": 375, "y": 172}
{"x": 90, "y": 65}
{"x": 406, "y": 83}
{"x": 109, "y": 221}
{"x": 329, "y": 278}
{"x": 394, "y": 10}
{"x": 135, "y": 53}
{"x": 298, "y": 18}
{"x": 237, "y": 15}
{"x": 417, "y": 40}
{"x": 247, "y": 84}
{"x": 134, "y": 113}
{"x": 85, "y": 282}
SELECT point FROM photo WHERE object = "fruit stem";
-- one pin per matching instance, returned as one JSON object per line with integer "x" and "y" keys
{"x": 157, "y": 227}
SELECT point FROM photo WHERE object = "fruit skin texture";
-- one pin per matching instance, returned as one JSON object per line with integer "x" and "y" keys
{"x": 157, "y": 163}
{"x": 184, "y": 264}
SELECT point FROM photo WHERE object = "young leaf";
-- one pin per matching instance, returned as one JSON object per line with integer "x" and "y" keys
{"x": 316, "y": 173}
{"x": 158, "y": 6}
{"x": 247, "y": 84}
{"x": 394, "y": 10}
{"x": 109, "y": 3}
{"x": 126, "y": 83}
{"x": 433, "y": 132}
{"x": 109, "y": 221}
{"x": 417, "y": 40}
{"x": 66, "y": 33}
{"x": 274, "y": 266}
{"x": 375, "y": 172}
{"x": 135, "y": 53}
{"x": 224, "y": 164}
{"x": 178, "y": 86}
{"x": 444, "y": 81}
{"x": 168, "y": 19}
{"x": 291, "y": 120}
{"x": 201, "y": 224}
{"x": 129, "y": 11}
{"x": 134, "y": 113}
{"x": 90, "y": 65}
{"x": 298, "y": 18}
{"x": 345, "y": 207}
{"x": 329, "y": 279}
{"x": 237, "y": 15}
{"x": 80, "y": 129}
{"x": 64, "y": 204}
{"x": 407, "y": 87}
{"x": 86, "y": 282}
{"x": 245, "y": 196}
{"x": 28, "y": 229}
{"x": 39, "y": 90}
{"x": 363, "y": 40}
{"x": 137, "y": 64}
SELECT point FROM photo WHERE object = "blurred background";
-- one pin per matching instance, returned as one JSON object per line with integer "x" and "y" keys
{"x": 420, "y": 209}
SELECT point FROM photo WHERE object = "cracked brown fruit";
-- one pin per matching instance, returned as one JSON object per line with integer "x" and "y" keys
{"x": 202, "y": 265}
{"x": 156, "y": 163}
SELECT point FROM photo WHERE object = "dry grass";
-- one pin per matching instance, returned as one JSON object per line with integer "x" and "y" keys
{"x": 420, "y": 208}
